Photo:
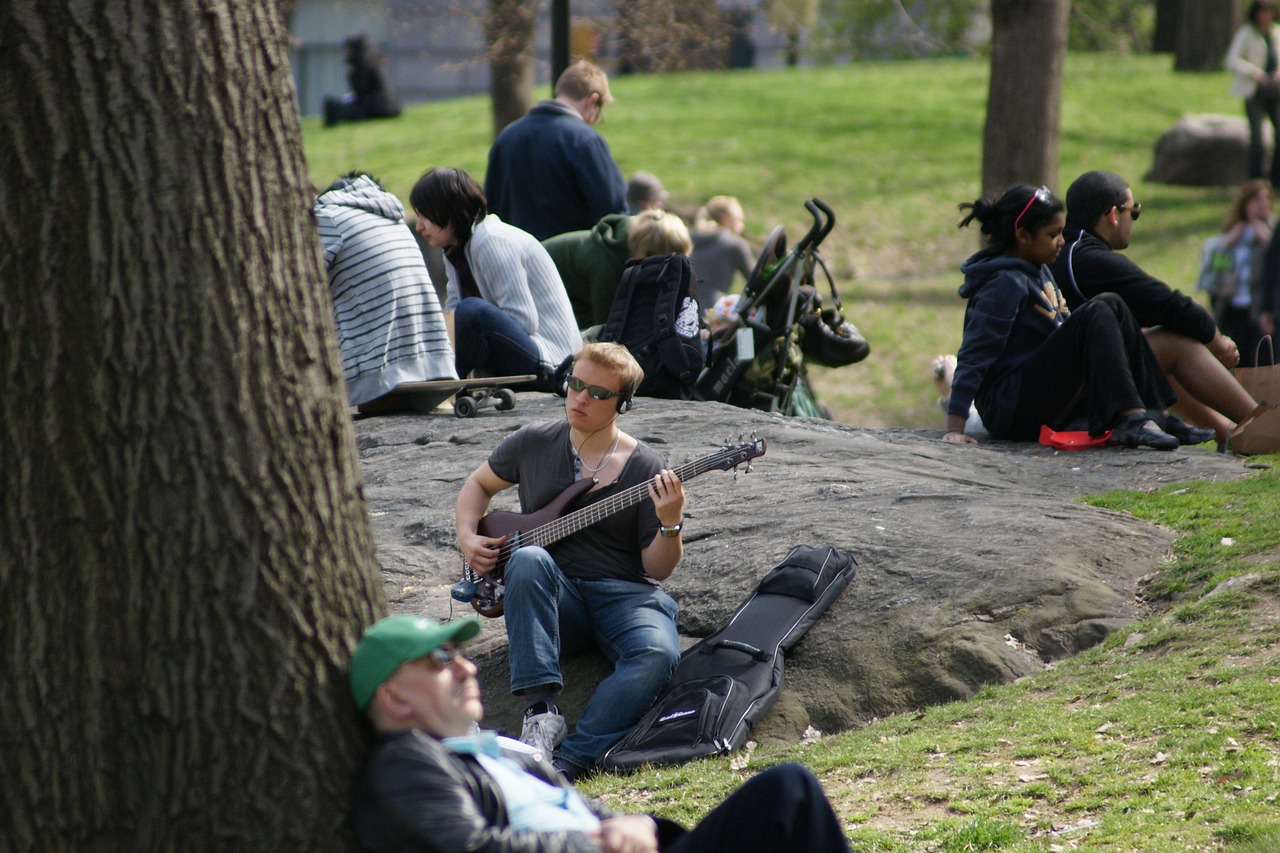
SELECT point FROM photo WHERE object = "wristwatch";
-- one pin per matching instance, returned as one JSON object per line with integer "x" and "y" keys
{"x": 673, "y": 531}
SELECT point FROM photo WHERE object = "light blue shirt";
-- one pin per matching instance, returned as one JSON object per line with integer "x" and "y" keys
{"x": 531, "y": 803}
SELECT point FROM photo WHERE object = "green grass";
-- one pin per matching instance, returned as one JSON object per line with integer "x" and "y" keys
{"x": 892, "y": 146}
{"x": 1163, "y": 738}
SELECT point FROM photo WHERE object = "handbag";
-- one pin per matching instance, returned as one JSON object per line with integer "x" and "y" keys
{"x": 1260, "y": 431}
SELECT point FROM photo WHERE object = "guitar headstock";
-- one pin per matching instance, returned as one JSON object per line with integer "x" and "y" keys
{"x": 732, "y": 455}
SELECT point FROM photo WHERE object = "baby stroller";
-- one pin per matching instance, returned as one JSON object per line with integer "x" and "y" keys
{"x": 758, "y": 353}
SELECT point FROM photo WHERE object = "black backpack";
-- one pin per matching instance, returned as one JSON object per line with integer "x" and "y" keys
{"x": 726, "y": 683}
{"x": 656, "y": 316}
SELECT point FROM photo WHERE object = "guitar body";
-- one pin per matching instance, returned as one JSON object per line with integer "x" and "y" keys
{"x": 489, "y": 588}
{"x": 556, "y": 520}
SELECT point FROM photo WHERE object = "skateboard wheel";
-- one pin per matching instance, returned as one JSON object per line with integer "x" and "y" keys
{"x": 464, "y": 407}
{"x": 506, "y": 400}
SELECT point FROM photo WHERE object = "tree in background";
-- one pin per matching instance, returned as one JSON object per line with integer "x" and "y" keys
{"x": 1028, "y": 53}
{"x": 509, "y": 32}
{"x": 1204, "y": 30}
{"x": 670, "y": 35}
{"x": 185, "y": 555}
{"x": 897, "y": 29}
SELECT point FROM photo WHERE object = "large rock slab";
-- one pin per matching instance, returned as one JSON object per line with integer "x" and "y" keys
{"x": 975, "y": 565}
{"x": 1205, "y": 151}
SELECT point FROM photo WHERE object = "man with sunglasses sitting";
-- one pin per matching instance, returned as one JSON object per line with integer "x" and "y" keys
{"x": 597, "y": 588}
{"x": 435, "y": 782}
{"x": 1191, "y": 349}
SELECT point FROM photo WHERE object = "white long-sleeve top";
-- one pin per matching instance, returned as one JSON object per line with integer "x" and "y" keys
{"x": 515, "y": 273}
{"x": 1247, "y": 58}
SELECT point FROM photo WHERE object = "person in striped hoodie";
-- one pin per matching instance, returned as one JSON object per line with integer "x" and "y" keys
{"x": 390, "y": 326}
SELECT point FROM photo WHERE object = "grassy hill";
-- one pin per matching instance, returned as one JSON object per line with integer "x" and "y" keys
{"x": 893, "y": 147}
{"x": 1165, "y": 737}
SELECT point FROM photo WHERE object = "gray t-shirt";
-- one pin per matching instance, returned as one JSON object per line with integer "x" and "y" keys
{"x": 539, "y": 458}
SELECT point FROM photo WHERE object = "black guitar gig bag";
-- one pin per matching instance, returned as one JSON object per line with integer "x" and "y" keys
{"x": 726, "y": 683}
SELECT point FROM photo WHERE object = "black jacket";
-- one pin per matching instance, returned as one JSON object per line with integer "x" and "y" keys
{"x": 415, "y": 795}
{"x": 1087, "y": 266}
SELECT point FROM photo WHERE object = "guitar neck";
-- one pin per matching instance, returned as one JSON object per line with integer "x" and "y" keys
{"x": 580, "y": 519}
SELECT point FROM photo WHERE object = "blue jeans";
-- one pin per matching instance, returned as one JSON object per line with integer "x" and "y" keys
{"x": 488, "y": 338}
{"x": 632, "y": 624}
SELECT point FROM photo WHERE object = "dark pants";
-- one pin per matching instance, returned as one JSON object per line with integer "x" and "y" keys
{"x": 488, "y": 339}
{"x": 782, "y": 809}
{"x": 1240, "y": 325}
{"x": 1258, "y": 109}
{"x": 1096, "y": 365}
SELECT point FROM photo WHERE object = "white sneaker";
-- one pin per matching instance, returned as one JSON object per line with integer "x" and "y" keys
{"x": 544, "y": 728}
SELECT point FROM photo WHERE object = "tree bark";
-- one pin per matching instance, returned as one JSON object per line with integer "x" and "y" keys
{"x": 1168, "y": 21}
{"x": 1028, "y": 52}
{"x": 1205, "y": 28}
{"x": 509, "y": 32}
{"x": 185, "y": 555}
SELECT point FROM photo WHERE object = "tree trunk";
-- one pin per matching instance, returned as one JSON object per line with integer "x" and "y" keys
{"x": 1168, "y": 18}
{"x": 185, "y": 556}
{"x": 1028, "y": 50}
{"x": 1205, "y": 28}
{"x": 509, "y": 31}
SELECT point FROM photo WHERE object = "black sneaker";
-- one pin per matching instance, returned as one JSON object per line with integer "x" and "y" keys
{"x": 1140, "y": 430}
{"x": 1185, "y": 432}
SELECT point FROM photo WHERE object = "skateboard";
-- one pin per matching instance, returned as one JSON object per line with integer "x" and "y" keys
{"x": 472, "y": 395}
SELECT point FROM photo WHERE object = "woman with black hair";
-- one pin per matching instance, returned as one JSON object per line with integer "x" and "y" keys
{"x": 1025, "y": 360}
{"x": 511, "y": 313}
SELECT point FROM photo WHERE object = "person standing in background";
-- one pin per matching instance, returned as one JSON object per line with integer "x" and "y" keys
{"x": 1252, "y": 59}
{"x": 550, "y": 172}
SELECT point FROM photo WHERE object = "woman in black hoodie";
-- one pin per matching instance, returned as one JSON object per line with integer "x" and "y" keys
{"x": 1025, "y": 360}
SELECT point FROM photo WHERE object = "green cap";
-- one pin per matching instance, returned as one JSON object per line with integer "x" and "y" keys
{"x": 396, "y": 640}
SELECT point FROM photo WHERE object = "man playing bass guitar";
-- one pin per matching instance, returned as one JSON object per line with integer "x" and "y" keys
{"x": 598, "y": 588}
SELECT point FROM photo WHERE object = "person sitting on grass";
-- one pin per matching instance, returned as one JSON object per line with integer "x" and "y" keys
{"x": 1192, "y": 352}
{"x": 436, "y": 782}
{"x": 719, "y": 250}
{"x": 1026, "y": 360}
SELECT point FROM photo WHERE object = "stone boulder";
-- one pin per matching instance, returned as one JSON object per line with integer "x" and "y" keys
{"x": 975, "y": 566}
{"x": 1205, "y": 150}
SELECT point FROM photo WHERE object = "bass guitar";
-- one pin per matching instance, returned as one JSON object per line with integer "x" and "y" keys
{"x": 555, "y": 521}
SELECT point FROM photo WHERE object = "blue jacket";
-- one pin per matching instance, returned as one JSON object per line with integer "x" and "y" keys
{"x": 550, "y": 173}
{"x": 1013, "y": 307}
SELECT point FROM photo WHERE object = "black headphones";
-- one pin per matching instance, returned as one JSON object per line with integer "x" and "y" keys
{"x": 624, "y": 403}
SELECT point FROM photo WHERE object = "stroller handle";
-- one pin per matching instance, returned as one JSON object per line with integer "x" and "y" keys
{"x": 818, "y": 209}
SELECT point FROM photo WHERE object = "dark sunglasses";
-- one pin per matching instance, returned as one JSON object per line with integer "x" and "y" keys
{"x": 1042, "y": 195}
{"x": 444, "y": 656}
{"x": 1135, "y": 209}
{"x": 596, "y": 392}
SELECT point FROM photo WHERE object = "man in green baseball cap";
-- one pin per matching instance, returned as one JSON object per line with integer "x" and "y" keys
{"x": 436, "y": 782}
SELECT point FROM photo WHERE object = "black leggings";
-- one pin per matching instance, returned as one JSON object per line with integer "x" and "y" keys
{"x": 1095, "y": 365}
{"x": 782, "y": 809}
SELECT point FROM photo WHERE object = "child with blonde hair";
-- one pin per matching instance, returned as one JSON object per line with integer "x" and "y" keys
{"x": 719, "y": 249}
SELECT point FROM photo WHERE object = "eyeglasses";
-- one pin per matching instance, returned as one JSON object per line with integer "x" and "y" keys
{"x": 444, "y": 656}
{"x": 1043, "y": 195}
{"x": 596, "y": 392}
{"x": 1135, "y": 209}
